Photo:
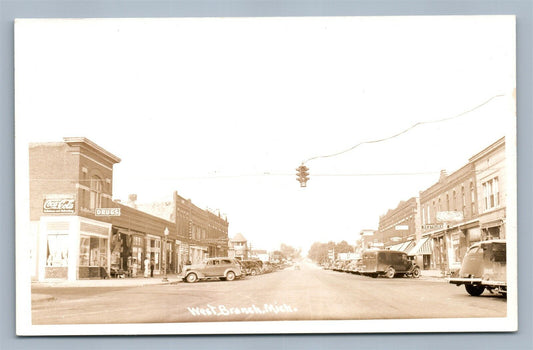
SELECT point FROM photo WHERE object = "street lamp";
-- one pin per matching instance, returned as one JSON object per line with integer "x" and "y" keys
{"x": 165, "y": 279}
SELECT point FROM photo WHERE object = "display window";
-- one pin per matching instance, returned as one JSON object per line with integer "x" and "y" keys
{"x": 93, "y": 251}
{"x": 57, "y": 250}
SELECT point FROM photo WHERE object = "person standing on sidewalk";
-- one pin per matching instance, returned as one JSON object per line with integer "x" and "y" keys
{"x": 152, "y": 265}
{"x": 146, "y": 267}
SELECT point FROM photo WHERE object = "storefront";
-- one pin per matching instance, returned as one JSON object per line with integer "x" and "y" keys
{"x": 73, "y": 247}
{"x": 153, "y": 251}
{"x": 197, "y": 254}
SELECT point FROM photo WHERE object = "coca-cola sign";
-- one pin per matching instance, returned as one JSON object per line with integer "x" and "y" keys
{"x": 58, "y": 205}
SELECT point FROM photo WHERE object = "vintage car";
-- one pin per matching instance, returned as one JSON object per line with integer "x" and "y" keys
{"x": 388, "y": 263}
{"x": 222, "y": 268}
{"x": 484, "y": 267}
{"x": 252, "y": 267}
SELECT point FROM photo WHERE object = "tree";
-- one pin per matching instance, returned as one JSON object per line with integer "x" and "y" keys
{"x": 318, "y": 252}
{"x": 289, "y": 252}
{"x": 344, "y": 247}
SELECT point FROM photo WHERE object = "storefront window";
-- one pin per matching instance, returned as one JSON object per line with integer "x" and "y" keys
{"x": 57, "y": 252}
{"x": 93, "y": 251}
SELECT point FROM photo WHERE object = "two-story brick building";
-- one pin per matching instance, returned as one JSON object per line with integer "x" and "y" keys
{"x": 68, "y": 181}
{"x": 448, "y": 215}
{"x": 490, "y": 169}
{"x": 399, "y": 228}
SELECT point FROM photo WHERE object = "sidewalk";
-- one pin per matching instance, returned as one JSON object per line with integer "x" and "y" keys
{"x": 432, "y": 275}
{"x": 109, "y": 282}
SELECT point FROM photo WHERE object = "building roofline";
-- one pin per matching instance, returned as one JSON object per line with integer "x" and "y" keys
{"x": 488, "y": 149}
{"x": 93, "y": 145}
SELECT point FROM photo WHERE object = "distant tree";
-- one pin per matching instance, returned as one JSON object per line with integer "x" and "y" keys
{"x": 289, "y": 252}
{"x": 344, "y": 247}
{"x": 319, "y": 252}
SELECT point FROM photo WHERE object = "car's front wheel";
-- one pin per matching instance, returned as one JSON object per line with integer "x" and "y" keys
{"x": 474, "y": 290}
{"x": 416, "y": 272}
{"x": 390, "y": 272}
{"x": 230, "y": 276}
{"x": 191, "y": 278}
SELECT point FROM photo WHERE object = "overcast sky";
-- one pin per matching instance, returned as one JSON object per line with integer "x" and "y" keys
{"x": 224, "y": 110}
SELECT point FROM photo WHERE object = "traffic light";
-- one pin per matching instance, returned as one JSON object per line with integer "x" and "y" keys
{"x": 303, "y": 175}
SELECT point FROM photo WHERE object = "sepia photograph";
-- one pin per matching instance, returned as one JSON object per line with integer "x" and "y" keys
{"x": 266, "y": 175}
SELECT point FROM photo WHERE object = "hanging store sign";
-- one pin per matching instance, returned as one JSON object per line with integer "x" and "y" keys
{"x": 59, "y": 205}
{"x": 107, "y": 212}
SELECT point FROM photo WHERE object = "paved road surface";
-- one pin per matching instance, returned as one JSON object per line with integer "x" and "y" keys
{"x": 306, "y": 294}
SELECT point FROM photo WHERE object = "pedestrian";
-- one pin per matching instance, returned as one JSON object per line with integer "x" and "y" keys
{"x": 146, "y": 267}
{"x": 152, "y": 265}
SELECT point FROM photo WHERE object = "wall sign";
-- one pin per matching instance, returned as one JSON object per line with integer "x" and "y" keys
{"x": 58, "y": 205}
{"x": 107, "y": 212}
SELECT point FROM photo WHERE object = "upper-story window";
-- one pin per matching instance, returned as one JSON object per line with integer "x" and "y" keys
{"x": 96, "y": 192}
{"x": 454, "y": 200}
{"x": 491, "y": 194}
{"x": 472, "y": 198}
{"x": 463, "y": 197}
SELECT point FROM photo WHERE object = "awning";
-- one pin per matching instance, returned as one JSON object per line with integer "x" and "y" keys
{"x": 406, "y": 246}
{"x": 423, "y": 247}
{"x": 394, "y": 247}
{"x": 402, "y": 247}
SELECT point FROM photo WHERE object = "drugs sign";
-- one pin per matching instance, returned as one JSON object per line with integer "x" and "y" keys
{"x": 107, "y": 212}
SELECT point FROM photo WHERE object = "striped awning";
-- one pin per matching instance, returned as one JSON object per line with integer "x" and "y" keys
{"x": 423, "y": 247}
{"x": 406, "y": 246}
{"x": 402, "y": 247}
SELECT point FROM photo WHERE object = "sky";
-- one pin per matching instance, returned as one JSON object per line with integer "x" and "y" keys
{"x": 223, "y": 110}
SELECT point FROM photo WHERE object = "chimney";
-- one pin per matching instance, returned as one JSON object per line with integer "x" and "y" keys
{"x": 132, "y": 198}
{"x": 443, "y": 175}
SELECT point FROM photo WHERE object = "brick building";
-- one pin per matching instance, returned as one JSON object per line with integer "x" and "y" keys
{"x": 450, "y": 236}
{"x": 68, "y": 182}
{"x": 78, "y": 231}
{"x": 489, "y": 166}
{"x": 399, "y": 228}
{"x": 462, "y": 208}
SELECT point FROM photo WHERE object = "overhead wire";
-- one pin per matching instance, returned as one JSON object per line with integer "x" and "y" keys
{"x": 405, "y": 130}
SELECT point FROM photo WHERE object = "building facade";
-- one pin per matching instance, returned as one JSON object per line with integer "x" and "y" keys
{"x": 368, "y": 240}
{"x": 449, "y": 217}
{"x": 490, "y": 169}
{"x": 400, "y": 227}
{"x": 77, "y": 231}
{"x": 238, "y": 247}
{"x": 69, "y": 182}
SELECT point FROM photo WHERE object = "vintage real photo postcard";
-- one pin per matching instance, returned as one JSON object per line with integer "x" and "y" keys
{"x": 265, "y": 175}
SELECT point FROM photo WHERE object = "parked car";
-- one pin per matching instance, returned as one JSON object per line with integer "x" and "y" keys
{"x": 267, "y": 267}
{"x": 252, "y": 267}
{"x": 388, "y": 263}
{"x": 484, "y": 267}
{"x": 357, "y": 266}
{"x": 352, "y": 266}
{"x": 222, "y": 268}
